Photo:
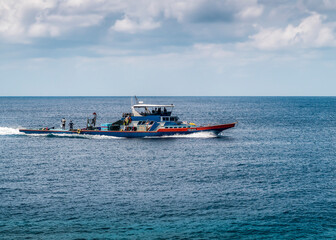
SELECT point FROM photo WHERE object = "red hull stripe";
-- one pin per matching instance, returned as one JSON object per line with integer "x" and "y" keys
{"x": 207, "y": 128}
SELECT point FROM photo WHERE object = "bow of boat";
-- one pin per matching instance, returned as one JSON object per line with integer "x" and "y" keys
{"x": 217, "y": 128}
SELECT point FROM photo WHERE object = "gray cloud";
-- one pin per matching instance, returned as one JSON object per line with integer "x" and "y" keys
{"x": 149, "y": 27}
{"x": 211, "y": 11}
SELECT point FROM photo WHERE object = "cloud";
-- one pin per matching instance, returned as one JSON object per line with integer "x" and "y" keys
{"x": 251, "y": 12}
{"x": 54, "y": 25}
{"x": 26, "y": 20}
{"x": 146, "y": 15}
{"x": 170, "y": 25}
{"x": 211, "y": 10}
{"x": 22, "y": 20}
{"x": 319, "y": 5}
{"x": 311, "y": 32}
{"x": 130, "y": 26}
{"x": 329, "y": 4}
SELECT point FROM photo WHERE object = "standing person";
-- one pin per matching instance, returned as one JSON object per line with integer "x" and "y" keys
{"x": 71, "y": 125}
{"x": 94, "y": 119}
{"x": 63, "y": 123}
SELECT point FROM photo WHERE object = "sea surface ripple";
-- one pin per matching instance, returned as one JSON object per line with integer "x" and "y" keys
{"x": 271, "y": 177}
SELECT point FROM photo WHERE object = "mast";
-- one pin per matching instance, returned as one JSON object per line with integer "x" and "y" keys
{"x": 136, "y": 99}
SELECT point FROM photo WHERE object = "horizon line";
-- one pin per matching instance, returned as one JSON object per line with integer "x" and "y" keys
{"x": 173, "y": 96}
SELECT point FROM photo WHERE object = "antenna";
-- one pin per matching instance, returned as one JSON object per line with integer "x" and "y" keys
{"x": 136, "y": 99}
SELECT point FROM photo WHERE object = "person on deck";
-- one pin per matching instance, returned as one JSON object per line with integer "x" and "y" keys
{"x": 94, "y": 119}
{"x": 71, "y": 125}
{"x": 63, "y": 123}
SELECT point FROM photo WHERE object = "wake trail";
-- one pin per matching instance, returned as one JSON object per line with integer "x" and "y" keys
{"x": 191, "y": 135}
{"x": 9, "y": 131}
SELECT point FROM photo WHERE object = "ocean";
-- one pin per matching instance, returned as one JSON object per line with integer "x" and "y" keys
{"x": 271, "y": 177}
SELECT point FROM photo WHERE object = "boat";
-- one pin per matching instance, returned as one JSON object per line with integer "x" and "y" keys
{"x": 144, "y": 120}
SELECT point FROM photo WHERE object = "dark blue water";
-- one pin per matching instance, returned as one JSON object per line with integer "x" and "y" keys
{"x": 273, "y": 176}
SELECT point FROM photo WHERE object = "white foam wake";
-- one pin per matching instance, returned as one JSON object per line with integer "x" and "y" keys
{"x": 9, "y": 131}
{"x": 103, "y": 137}
{"x": 193, "y": 135}
{"x": 83, "y": 136}
{"x": 87, "y": 136}
{"x": 15, "y": 131}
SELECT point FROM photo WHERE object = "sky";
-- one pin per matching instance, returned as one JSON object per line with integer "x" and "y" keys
{"x": 167, "y": 48}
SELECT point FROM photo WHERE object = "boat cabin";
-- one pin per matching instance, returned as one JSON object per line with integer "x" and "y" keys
{"x": 141, "y": 109}
{"x": 146, "y": 117}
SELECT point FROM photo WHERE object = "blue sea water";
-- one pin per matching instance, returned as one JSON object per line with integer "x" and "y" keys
{"x": 271, "y": 177}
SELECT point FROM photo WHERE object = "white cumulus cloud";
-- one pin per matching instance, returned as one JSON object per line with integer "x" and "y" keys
{"x": 311, "y": 32}
{"x": 251, "y": 12}
{"x": 130, "y": 26}
{"x": 22, "y": 20}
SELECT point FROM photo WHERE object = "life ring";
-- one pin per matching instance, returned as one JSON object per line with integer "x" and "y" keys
{"x": 78, "y": 131}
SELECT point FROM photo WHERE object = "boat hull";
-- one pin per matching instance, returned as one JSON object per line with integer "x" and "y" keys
{"x": 135, "y": 134}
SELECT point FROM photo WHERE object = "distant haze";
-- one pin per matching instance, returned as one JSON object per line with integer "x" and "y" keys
{"x": 167, "y": 47}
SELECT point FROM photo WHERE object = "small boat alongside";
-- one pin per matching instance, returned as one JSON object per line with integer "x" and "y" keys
{"x": 144, "y": 120}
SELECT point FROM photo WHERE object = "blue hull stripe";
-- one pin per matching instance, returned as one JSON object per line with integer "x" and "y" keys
{"x": 114, "y": 133}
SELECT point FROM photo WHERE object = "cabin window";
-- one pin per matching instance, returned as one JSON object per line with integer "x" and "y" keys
{"x": 151, "y": 123}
